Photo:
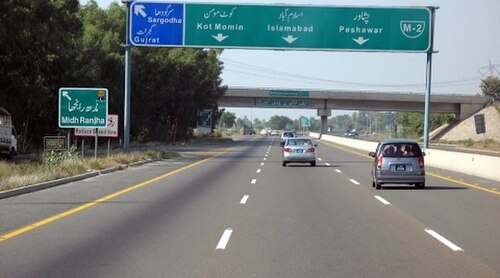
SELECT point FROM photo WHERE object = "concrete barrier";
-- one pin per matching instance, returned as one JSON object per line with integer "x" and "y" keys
{"x": 480, "y": 165}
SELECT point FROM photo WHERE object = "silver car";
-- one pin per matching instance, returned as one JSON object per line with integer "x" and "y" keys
{"x": 398, "y": 161}
{"x": 285, "y": 135}
{"x": 299, "y": 149}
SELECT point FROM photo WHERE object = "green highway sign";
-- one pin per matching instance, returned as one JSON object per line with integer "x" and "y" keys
{"x": 305, "y": 122}
{"x": 83, "y": 107}
{"x": 287, "y": 93}
{"x": 282, "y": 102}
{"x": 308, "y": 27}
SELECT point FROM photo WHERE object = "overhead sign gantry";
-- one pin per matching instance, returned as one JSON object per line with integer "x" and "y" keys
{"x": 282, "y": 27}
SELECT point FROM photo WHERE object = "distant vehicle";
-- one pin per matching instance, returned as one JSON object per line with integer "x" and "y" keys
{"x": 8, "y": 138}
{"x": 248, "y": 130}
{"x": 275, "y": 132}
{"x": 351, "y": 134}
{"x": 285, "y": 135}
{"x": 398, "y": 161}
{"x": 300, "y": 150}
{"x": 263, "y": 131}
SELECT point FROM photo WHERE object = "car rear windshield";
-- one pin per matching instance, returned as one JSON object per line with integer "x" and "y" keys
{"x": 288, "y": 134}
{"x": 401, "y": 150}
{"x": 299, "y": 142}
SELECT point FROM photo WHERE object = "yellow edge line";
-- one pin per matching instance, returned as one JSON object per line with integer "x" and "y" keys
{"x": 428, "y": 173}
{"x": 464, "y": 183}
{"x": 64, "y": 214}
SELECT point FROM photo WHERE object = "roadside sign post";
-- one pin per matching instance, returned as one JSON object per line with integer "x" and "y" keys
{"x": 83, "y": 108}
{"x": 111, "y": 131}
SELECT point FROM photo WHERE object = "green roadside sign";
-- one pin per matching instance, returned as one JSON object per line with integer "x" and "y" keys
{"x": 389, "y": 29}
{"x": 305, "y": 122}
{"x": 288, "y": 93}
{"x": 83, "y": 107}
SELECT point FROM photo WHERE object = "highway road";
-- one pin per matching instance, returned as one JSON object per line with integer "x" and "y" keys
{"x": 239, "y": 213}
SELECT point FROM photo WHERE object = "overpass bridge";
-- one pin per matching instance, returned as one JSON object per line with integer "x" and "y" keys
{"x": 324, "y": 101}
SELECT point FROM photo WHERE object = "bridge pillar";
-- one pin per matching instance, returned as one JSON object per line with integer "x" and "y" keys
{"x": 467, "y": 110}
{"x": 324, "y": 114}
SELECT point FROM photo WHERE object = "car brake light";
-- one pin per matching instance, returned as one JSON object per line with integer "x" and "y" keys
{"x": 379, "y": 161}
{"x": 310, "y": 150}
{"x": 288, "y": 150}
{"x": 421, "y": 162}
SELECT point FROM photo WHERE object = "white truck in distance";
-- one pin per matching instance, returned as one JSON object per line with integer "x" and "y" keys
{"x": 8, "y": 140}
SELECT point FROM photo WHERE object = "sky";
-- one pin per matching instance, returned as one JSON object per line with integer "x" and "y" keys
{"x": 466, "y": 39}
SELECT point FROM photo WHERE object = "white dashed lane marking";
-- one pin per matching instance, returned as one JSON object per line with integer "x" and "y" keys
{"x": 443, "y": 240}
{"x": 354, "y": 181}
{"x": 244, "y": 199}
{"x": 224, "y": 239}
{"x": 382, "y": 200}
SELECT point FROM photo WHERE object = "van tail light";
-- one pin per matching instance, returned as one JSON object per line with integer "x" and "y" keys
{"x": 311, "y": 150}
{"x": 288, "y": 150}
{"x": 421, "y": 162}
{"x": 379, "y": 161}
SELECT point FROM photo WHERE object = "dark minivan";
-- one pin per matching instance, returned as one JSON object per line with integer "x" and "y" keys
{"x": 398, "y": 161}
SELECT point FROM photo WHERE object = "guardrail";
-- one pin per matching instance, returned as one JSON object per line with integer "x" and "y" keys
{"x": 480, "y": 165}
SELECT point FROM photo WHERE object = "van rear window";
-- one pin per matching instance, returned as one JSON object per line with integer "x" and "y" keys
{"x": 401, "y": 150}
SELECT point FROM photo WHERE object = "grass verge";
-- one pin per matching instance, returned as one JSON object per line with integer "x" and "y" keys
{"x": 60, "y": 165}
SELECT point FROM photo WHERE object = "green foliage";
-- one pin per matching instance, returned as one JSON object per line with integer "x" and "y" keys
{"x": 48, "y": 44}
{"x": 364, "y": 121}
{"x": 56, "y": 157}
{"x": 491, "y": 87}
{"x": 413, "y": 122}
{"x": 227, "y": 119}
{"x": 280, "y": 122}
{"x": 39, "y": 45}
{"x": 172, "y": 85}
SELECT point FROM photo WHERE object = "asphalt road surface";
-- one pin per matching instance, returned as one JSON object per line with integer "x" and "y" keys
{"x": 239, "y": 213}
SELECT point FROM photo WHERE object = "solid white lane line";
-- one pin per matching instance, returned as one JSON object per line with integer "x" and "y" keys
{"x": 443, "y": 240}
{"x": 262, "y": 164}
{"x": 254, "y": 181}
{"x": 382, "y": 200}
{"x": 354, "y": 181}
{"x": 258, "y": 171}
{"x": 338, "y": 171}
{"x": 224, "y": 239}
{"x": 244, "y": 199}
{"x": 327, "y": 164}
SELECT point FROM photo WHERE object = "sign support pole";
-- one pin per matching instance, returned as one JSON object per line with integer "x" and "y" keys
{"x": 128, "y": 75}
{"x": 83, "y": 147}
{"x": 428, "y": 83}
{"x": 96, "y": 142}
